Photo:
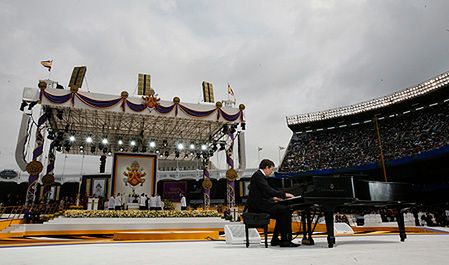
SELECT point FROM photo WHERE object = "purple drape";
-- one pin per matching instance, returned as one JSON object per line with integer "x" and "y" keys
{"x": 98, "y": 103}
{"x": 230, "y": 117}
{"x": 164, "y": 110}
{"x": 58, "y": 99}
{"x": 136, "y": 107}
{"x": 196, "y": 113}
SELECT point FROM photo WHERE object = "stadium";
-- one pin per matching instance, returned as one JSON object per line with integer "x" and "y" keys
{"x": 400, "y": 137}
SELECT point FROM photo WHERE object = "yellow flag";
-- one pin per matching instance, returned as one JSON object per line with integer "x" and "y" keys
{"x": 47, "y": 64}
{"x": 230, "y": 91}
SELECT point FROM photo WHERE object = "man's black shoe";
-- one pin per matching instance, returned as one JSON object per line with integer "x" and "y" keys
{"x": 288, "y": 244}
{"x": 275, "y": 242}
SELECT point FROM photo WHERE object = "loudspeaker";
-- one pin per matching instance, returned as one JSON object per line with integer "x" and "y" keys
{"x": 235, "y": 234}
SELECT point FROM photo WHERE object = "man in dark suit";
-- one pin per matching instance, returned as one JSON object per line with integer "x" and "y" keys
{"x": 261, "y": 199}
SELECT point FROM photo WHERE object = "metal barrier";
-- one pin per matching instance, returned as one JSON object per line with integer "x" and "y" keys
{"x": 29, "y": 213}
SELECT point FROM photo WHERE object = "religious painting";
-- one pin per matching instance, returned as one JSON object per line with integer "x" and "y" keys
{"x": 98, "y": 188}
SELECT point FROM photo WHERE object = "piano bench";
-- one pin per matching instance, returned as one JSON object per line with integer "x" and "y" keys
{"x": 256, "y": 220}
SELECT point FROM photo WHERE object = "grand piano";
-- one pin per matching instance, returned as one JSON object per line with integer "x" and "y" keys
{"x": 329, "y": 193}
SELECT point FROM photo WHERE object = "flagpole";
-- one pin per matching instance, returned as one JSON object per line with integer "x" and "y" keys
{"x": 280, "y": 149}
{"x": 279, "y": 156}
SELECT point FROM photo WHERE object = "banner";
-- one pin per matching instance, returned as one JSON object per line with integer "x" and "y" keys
{"x": 134, "y": 174}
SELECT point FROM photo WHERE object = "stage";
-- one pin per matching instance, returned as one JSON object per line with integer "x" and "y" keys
{"x": 379, "y": 249}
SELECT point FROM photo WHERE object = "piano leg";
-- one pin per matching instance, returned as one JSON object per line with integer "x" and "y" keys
{"x": 307, "y": 226}
{"x": 329, "y": 217}
{"x": 401, "y": 224}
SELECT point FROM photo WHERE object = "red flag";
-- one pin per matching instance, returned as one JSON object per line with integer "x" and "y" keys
{"x": 47, "y": 64}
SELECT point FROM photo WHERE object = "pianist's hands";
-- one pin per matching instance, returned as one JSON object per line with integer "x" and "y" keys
{"x": 289, "y": 195}
{"x": 277, "y": 199}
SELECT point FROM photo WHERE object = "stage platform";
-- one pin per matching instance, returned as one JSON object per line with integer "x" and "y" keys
{"x": 166, "y": 235}
{"x": 109, "y": 226}
{"x": 376, "y": 249}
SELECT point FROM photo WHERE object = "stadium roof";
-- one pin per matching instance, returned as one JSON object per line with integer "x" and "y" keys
{"x": 433, "y": 90}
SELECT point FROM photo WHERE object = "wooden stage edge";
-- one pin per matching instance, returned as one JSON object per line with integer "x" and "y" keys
{"x": 166, "y": 235}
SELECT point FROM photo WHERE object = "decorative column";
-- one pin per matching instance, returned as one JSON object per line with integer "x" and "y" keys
{"x": 231, "y": 174}
{"x": 35, "y": 167}
{"x": 207, "y": 185}
{"x": 49, "y": 178}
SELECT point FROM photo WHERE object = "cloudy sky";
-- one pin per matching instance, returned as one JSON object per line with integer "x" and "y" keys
{"x": 281, "y": 57}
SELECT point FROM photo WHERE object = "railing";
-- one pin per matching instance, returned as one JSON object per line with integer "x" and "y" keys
{"x": 31, "y": 213}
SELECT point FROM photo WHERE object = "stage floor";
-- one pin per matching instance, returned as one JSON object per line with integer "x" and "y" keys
{"x": 375, "y": 249}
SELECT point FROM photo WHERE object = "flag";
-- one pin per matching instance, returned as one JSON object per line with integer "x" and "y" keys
{"x": 281, "y": 148}
{"x": 47, "y": 64}
{"x": 230, "y": 91}
{"x": 259, "y": 149}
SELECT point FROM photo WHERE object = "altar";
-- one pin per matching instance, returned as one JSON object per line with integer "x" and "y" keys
{"x": 133, "y": 206}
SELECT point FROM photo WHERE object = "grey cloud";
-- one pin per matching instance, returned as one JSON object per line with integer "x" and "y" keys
{"x": 281, "y": 57}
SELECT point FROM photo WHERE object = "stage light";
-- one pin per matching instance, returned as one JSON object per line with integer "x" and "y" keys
{"x": 133, "y": 143}
{"x": 89, "y": 139}
{"x": 180, "y": 146}
{"x": 60, "y": 136}
{"x": 23, "y": 105}
{"x": 166, "y": 153}
{"x": 105, "y": 150}
{"x": 225, "y": 129}
{"x": 104, "y": 141}
{"x": 232, "y": 129}
{"x": 59, "y": 114}
{"x": 204, "y": 147}
{"x": 81, "y": 146}
{"x": 32, "y": 104}
{"x": 51, "y": 135}
{"x": 109, "y": 153}
{"x": 72, "y": 138}
{"x": 102, "y": 164}
{"x": 81, "y": 151}
{"x": 164, "y": 143}
{"x": 192, "y": 147}
{"x": 120, "y": 141}
{"x": 121, "y": 149}
{"x": 152, "y": 144}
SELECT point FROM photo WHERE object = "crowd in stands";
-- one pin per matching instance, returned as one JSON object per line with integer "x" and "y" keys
{"x": 401, "y": 136}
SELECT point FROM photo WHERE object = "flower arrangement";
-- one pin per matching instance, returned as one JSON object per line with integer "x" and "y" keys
{"x": 138, "y": 214}
{"x": 168, "y": 205}
{"x": 76, "y": 207}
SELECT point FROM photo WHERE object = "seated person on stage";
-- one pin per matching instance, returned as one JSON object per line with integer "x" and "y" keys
{"x": 262, "y": 198}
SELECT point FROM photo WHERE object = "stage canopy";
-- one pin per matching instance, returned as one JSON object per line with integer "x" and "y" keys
{"x": 99, "y": 124}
